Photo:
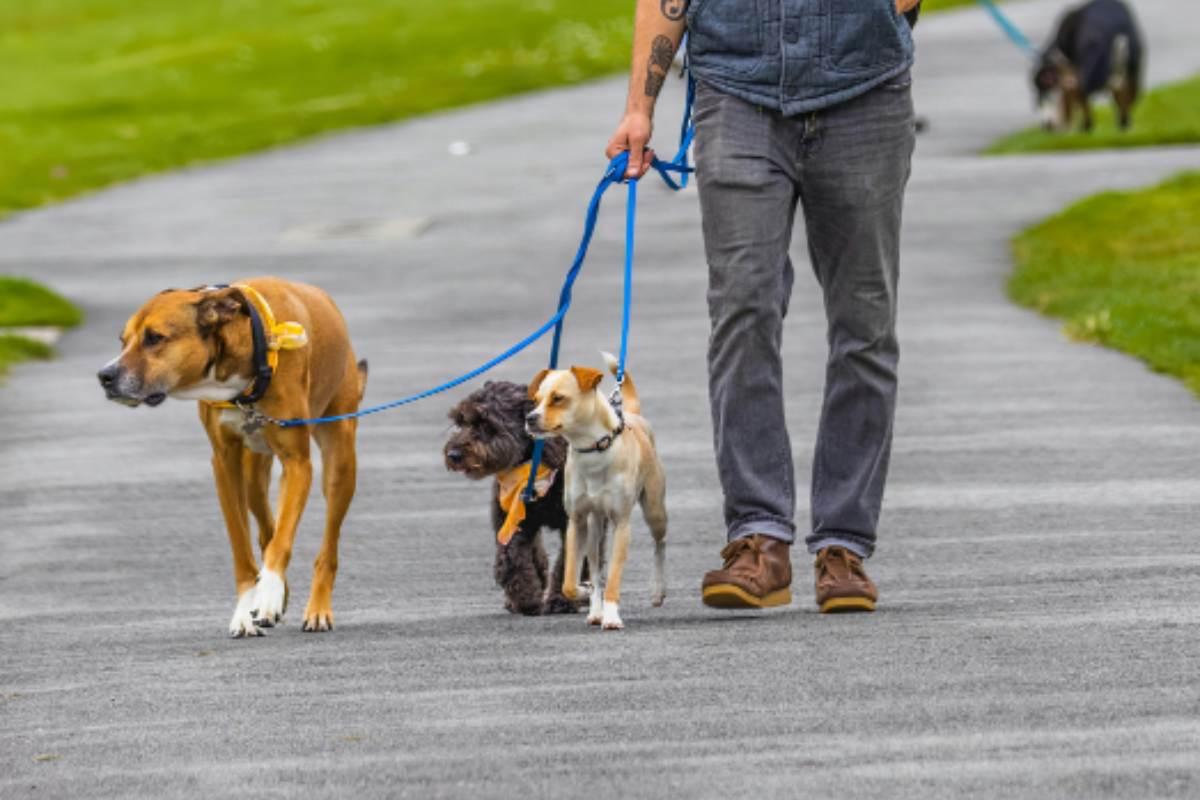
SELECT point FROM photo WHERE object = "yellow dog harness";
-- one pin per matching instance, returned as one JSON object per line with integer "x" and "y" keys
{"x": 274, "y": 336}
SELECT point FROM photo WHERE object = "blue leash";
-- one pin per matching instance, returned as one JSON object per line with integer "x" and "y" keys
{"x": 1010, "y": 29}
{"x": 614, "y": 173}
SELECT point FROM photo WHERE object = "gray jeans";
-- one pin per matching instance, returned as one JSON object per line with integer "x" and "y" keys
{"x": 846, "y": 167}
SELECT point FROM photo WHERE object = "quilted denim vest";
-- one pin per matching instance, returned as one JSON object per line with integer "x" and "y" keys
{"x": 797, "y": 55}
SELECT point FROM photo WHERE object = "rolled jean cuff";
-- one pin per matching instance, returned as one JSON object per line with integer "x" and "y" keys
{"x": 859, "y": 548}
{"x": 766, "y": 527}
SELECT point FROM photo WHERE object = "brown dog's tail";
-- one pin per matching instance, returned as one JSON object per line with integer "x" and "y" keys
{"x": 629, "y": 395}
{"x": 362, "y": 379}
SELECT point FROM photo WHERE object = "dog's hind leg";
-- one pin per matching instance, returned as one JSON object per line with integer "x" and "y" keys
{"x": 339, "y": 475}
{"x": 654, "y": 508}
{"x": 256, "y": 471}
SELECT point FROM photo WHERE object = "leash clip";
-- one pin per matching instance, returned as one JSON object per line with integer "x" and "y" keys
{"x": 617, "y": 402}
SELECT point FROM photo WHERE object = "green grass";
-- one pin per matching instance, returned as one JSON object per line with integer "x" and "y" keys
{"x": 99, "y": 91}
{"x": 23, "y": 302}
{"x": 18, "y": 348}
{"x": 1169, "y": 114}
{"x": 930, "y": 6}
{"x": 1123, "y": 270}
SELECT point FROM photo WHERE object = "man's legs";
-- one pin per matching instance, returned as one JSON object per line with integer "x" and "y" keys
{"x": 746, "y": 177}
{"x": 746, "y": 168}
{"x": 854, "y": 167}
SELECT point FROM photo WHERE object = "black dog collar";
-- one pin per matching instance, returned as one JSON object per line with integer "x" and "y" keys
{"x": 605, "y": 442}
{"x": 262, "y": 369}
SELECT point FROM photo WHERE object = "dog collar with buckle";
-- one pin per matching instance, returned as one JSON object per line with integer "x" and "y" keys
{"x": 604, "y": 442}
{"x": 268, "y": 338}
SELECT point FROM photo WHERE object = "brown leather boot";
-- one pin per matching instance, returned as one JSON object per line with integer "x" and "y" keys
{"x": 842, "y": 583}
{"x": 757, "y": 574}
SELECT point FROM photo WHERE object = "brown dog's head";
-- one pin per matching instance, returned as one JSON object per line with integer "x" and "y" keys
{"x": 188, "y": 344}
{"x": 564, "y": 400}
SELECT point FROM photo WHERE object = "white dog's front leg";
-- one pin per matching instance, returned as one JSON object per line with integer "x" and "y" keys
{"x": 594, "y": 543}
{"x": 242, "y": 623}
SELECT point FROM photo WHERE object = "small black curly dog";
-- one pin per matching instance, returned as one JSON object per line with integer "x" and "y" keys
{"x": 489, "y": 440}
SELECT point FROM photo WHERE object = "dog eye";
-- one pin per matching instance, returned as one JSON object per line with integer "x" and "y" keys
{"x": 556, "y": 399}
{"x": 151, "y": 338}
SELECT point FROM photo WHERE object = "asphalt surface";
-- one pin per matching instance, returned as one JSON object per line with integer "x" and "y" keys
{"x": 1039, "y": 561}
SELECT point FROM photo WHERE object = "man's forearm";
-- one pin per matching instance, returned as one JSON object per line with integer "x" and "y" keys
{"x": 656, "y": 33}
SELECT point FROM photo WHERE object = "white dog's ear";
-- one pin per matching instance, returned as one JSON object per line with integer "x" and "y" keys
{"x": 536, "y": 383}
{"x": 587, "y": 378}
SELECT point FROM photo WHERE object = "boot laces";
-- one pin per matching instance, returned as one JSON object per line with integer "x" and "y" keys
{"x": 734, "y": 550}
{"x": 848, "y": 561}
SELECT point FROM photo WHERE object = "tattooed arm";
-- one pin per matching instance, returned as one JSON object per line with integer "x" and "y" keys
{"x": 656, "y": 34}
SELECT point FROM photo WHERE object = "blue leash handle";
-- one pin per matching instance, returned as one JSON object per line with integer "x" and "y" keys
{"x": 1010, "y": 29}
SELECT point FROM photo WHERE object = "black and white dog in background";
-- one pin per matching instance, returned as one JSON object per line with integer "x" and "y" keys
{"x": 1097, "y": 47}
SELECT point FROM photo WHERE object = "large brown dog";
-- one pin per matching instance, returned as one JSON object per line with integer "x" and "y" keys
{"x": 273, "y": 347}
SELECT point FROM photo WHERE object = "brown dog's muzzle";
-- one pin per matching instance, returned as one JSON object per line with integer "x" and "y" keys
{"x": 123, "y": 387}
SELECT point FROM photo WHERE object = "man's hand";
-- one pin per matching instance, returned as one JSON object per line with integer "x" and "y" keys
{"x": 633, "y": 134}
{"x": 904, "y": 6}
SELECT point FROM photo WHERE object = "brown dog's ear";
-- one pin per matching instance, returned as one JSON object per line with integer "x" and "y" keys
{"x": 536, "y": 383}
{"x": 587, "y": 378}
{"x": 217, "y": 308}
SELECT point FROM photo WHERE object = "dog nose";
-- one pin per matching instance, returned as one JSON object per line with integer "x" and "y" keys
{"x": 108, "y": 376}
{"x": 531, "y": 417}
{"x": 454, "y": 456}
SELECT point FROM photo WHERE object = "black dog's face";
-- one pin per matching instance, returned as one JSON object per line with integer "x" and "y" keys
{"x": 489, "y": 431}
{"x": 1045, "y": 80}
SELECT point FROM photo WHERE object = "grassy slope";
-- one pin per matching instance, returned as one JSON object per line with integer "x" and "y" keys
{"x": 1166, "y": 115}
{"x": 1123, "y": 269}
{"x": 112, "y": 89}
{"x": 107, "y": 90}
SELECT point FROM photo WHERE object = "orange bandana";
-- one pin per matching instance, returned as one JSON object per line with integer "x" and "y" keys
{"x": 511, "y": 490}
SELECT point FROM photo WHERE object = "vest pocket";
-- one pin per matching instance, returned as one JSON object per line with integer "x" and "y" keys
{"x": 727, "y": 35}
{"x": 862, "y": 35}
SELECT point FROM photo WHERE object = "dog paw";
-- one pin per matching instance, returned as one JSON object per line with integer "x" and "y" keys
{"x": 595, "y": 609}
{"x": 242, "y": 623}
{"x": 558, "y": 605}
{"x": 317, "y": 621}
{"x": 657, "y": 599}
{"x": 570, "y": 591}
{"x": 269, "y": 598}
{"x": 611, "y": 619}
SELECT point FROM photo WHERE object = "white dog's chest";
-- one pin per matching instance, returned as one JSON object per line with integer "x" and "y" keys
{"x": 598, "y": 490}
{"x": 234, "y": 418}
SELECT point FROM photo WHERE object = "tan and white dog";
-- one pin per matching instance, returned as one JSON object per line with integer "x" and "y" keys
{"x": 611, "y": 465}
{"x": 219, "y": 345}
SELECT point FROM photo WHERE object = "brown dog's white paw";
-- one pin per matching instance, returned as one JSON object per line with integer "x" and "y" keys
{"x": 242, "y": 623}
{"x": 270, "y": 595}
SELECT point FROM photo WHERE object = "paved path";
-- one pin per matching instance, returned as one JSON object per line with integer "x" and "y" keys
{"x": 1039, "y": 560}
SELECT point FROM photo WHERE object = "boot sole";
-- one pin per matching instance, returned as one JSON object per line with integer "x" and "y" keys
{"x": 842, "y": 605}
{"x": 726, "y": 595}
